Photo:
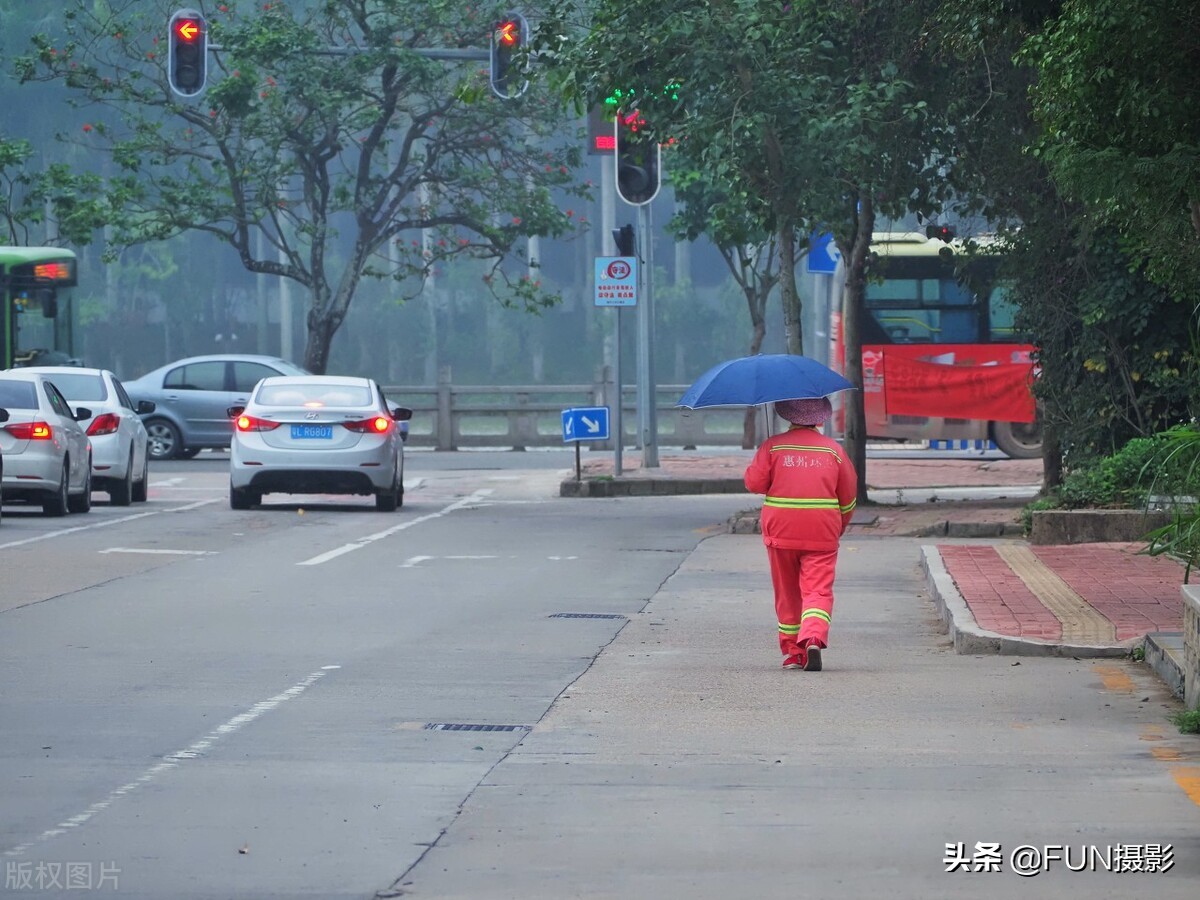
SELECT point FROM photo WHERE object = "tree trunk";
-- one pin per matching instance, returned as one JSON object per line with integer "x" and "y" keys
{"x": 749, "y": 432}
{"x": 788, "y": 296}
{"x": 1052, "y": 468}
{"x": 852, "y": 312}
{"x": 320, "y": 336}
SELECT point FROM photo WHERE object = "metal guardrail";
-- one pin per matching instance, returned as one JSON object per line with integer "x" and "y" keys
{"x": 450, "y": 416}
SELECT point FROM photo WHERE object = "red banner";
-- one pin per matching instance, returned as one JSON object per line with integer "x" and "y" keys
{"x": 998, "y": 392}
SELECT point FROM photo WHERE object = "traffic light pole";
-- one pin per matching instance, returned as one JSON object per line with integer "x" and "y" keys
{"x": 647, "y": 389}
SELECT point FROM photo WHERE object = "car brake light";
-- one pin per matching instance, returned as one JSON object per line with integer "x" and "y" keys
{"x": 106, "y": 423}
{"x": 252, "y": 423}
{"x": 30, "y": 431}
{"x": 376, "y": 425}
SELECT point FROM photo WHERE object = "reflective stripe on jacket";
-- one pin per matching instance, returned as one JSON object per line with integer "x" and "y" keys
{"x": 811, "y": 489}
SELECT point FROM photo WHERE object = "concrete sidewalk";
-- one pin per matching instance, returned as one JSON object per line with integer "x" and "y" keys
{"x": 685, "y": 763}
{"x": 1001, "y": 597}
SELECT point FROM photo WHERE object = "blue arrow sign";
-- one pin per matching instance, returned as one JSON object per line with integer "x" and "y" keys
{"x": 587, "y": 423}
{"x": 823, "y": 254}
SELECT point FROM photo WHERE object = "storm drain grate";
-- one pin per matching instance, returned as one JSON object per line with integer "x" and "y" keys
{"x": 586, "y": 616}
{"x": 467, "y": 726}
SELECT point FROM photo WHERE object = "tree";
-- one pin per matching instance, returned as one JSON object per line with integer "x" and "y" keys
{"x": 746, "y": 246}
{"x": 71, "y": 201}
{"x": 1116, "y": 355}
{"x": 1122, "y": 130}
{"x": 327, "y": 131}
{"x": 806, "y": 115}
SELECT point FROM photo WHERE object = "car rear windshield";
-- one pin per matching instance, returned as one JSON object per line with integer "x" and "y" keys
{"x": 81, "y": 387}
{"x": 18, "y": 395}
{"x": 314, "y": 395}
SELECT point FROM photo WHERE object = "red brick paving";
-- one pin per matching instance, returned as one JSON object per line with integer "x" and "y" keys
{"x": 998, "y": 598}
{"x": 1137, "y": 593}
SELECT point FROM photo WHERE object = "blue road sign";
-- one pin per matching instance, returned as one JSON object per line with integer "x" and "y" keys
{"x": 616, "y": 281}
{"x": 823, "y": 254}
{"x": 587, "y": 423}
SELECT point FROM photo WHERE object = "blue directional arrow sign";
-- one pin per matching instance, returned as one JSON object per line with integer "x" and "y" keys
{"x": 823, "y": 254}
{"x": 587, "y": 423}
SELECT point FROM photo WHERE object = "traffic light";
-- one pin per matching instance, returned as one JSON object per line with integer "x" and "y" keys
{"x": 940, "y": 232}
{"x": 625, "y": 240}
{"x": 509, "y": 36}
{"x": 638, "y": 158}
{"x": 187, "y": 53}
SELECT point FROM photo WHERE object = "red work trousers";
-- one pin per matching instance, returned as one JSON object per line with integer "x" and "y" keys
{"x": 803, "y": 581}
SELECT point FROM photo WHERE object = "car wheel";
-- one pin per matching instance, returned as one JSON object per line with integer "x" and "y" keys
{"x": 1018, "y": 440}
{"x": 56, "y": 504}
{"x": 389, "y": 500}
{"x": 141, "y": 488}
{"x": 243, "y": 498}
{"x": 81, "y": 503}
{"x": 187, "y": 452}
{"x": 165, "y": 441}
{"x": 121, "y": 493}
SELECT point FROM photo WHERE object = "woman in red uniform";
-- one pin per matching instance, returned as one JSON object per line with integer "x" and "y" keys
{"x": 811, "y": 488}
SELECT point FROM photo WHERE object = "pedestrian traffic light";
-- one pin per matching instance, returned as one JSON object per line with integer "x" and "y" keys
{"x": 638, "y": 158}
{"x": 939, "y": 232}
{"x": 509, "y": 37}
{"x": 625, "y": 240}
{"x": 187, "y": 53}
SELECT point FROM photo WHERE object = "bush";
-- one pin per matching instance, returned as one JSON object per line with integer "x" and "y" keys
{"x": 1123, "y": 480}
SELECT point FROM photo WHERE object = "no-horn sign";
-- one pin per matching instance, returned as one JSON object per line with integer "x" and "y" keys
{"x": 616, "y": 281}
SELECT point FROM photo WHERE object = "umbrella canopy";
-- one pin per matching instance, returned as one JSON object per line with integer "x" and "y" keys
{"x": 753, "y": 380}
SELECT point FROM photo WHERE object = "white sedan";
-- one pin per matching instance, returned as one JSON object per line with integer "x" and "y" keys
{"x": 120, "y": 457}
{"x": 47, "y": 456}
{"x": 317, "y": 434}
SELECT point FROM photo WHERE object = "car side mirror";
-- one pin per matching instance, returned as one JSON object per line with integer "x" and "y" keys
{"x": 234, "y": 411}
{"x": 145, "y": 407}
{"x": 82, "y": 413}
{"x": 3, "y": 415}
{"x": 402, "y": 413}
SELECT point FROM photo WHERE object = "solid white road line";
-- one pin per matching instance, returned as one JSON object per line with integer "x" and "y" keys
{"x": 191, "y": 751}
{"x": 388, "y": 532}
{"x": 158, "y": 551}
{"x": 103, "y": 524}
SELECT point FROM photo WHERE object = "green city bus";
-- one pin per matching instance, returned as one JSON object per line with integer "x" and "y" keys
{"x": 38, "y": 320}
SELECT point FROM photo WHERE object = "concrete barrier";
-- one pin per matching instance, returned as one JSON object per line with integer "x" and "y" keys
{"x": 1191, "y": 646}
{"x": 1094, "y": 526}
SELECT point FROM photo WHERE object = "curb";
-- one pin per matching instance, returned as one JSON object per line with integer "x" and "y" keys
{"x": 1163, "y": 652}
{"x": 969, "y": 638}
{"x": 610, "y": 486}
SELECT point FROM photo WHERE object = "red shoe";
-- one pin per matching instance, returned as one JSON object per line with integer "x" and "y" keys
{"x": 812, "y": 658}
{"x": 793, "y": 662}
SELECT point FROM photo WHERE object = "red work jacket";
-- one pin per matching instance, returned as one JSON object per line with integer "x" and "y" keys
{"x": 811, "y": 489}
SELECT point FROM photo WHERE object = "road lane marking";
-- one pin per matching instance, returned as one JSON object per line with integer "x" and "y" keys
{"x": 192, "y": 751}
{"x": 62, "y": 531}
{"x": 104, "y": 524}
{"x": 388, "y": 532}
{"x": 158, "y": 551}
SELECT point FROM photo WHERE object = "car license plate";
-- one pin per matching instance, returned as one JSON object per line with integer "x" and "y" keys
{"x": 312, "y": 431}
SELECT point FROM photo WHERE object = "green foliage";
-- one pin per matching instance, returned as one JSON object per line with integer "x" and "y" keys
{"x": 1178, "y": 479}
{"x": 1122, "y": 130}
{"x": 1117, "y": 353}
{"x": 1121, "y": 480}
{"x": 74, "y": 200}
{"x": 1187, "y": 721}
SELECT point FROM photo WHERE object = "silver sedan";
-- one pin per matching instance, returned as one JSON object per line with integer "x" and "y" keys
{"x": 317, "y": 434}
{"x": 120, "y": 458}
{"x": 47, "y": 456}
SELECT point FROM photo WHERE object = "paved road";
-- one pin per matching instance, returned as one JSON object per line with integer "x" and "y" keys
{"x": 199, "y": 703}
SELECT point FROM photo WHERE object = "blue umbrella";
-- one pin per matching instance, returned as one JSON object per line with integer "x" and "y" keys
{"x": 753, "y": 380}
